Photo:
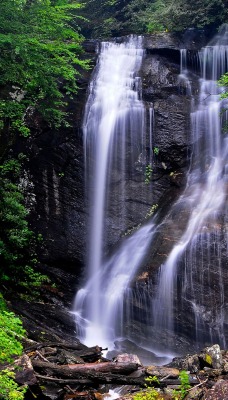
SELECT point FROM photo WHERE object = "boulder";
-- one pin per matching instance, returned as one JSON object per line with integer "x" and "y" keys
{"x": 218, "y": 392}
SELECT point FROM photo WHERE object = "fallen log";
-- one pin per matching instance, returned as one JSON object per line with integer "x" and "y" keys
{"x": 76, "y": 370}
{"x": 85, "y": 375}
{"x": 110, "y": 367}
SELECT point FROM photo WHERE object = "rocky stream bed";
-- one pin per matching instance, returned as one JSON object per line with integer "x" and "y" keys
{"x": 56, "y": 366}
{"x": 65, "y": 370}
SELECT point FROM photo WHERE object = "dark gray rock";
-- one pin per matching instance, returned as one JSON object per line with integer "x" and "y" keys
{"x": 56, "y": 163}
{"x": 191, "y": 39}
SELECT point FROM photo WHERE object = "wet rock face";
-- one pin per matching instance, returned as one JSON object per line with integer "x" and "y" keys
{"x": 192, "y": 39}
{"x": 56, "y": 163}
{"x": 166, "y": 98}
{"x": 162, "y": 89}
{"x": 56, "y": 170}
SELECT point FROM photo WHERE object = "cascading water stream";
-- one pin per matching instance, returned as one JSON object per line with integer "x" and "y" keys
{"x": 114, "y": 117}
{"x": 204, "y": 197}
{"x": 115, "y": 277}
{"x": 114, "y": 114}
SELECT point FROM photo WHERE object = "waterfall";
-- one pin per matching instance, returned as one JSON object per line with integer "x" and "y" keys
{"x": 115, "y": 139}
{"x": 204, "y": 199}
{"x": 184, "y": 82}
{"x": 114, "y": 115}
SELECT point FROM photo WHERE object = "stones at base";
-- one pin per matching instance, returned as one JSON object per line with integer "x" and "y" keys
{"x": 161, "y": 372}
{"x": 212, "y": 357}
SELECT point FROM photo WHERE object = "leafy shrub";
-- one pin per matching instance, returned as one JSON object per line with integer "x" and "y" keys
{"x": 148, "y": 173}
{"x": 11, "y": 332}
{"x": 9, "y": 389}
{"x": 150, "y": 393}
{"x": 17, "y": 241}
{"x": 185, "y": 385}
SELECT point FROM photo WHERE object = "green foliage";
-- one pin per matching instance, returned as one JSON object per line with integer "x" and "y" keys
{"x": 11, "y": 332}
{"x": 152, "y": 210}
{"x": 148, "y": 173}
{"x": 151, "y": 380}
{"x": 9, "y": 389}
{"x": 32, "y": 279}
{"x": 156, "y": 151}
{"x": 150, "y": 393}
{"x": 168, "y": 15}
{"x": 185, "y": 385}
{"x": 223, "y": 81}
{"x": 104, "y": 22}
{"x": 17, "y": 241}
{"x": 115, "y": 18}
{"x": 39, "y": 63}
{"x": 15, "y": 235}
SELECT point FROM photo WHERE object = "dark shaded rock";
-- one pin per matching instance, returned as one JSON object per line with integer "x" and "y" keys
{"x": 161, "y": 90}
{"x": 189, "y": 363}
{"x": 46, "y": 321}
{"x": 218, "y": 392}
{"x": 25, "y": 374}
{"x": 56, "y": 162}
{"x": 192, "y": 39}
{"x": 55, "y": 172}
{"x": 147, "y": 357}
{"x": 195, "y": 394}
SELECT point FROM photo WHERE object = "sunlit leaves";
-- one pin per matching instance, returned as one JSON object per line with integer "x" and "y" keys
{"x": 39, "y": 48}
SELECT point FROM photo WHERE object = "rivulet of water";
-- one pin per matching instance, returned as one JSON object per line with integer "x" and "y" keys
{"x": 204, "y": 198}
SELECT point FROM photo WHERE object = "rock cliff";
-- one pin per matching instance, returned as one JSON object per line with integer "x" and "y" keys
{"x": 56, "y": 169}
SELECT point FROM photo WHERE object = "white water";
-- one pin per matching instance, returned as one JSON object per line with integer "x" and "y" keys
{"x": 183, "y": 76}
{"x": 114, "y": 277}
{"x": 204, "y": 198}
{"x": 114, "y": 112}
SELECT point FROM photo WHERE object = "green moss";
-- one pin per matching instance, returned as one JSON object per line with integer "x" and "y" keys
{"x": 208, "y": 359}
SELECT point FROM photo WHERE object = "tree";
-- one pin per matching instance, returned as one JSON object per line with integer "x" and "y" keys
{"x": 39, "y": 62}
{"x": 40, "y": 48}
{"x": 118, "y": 17}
